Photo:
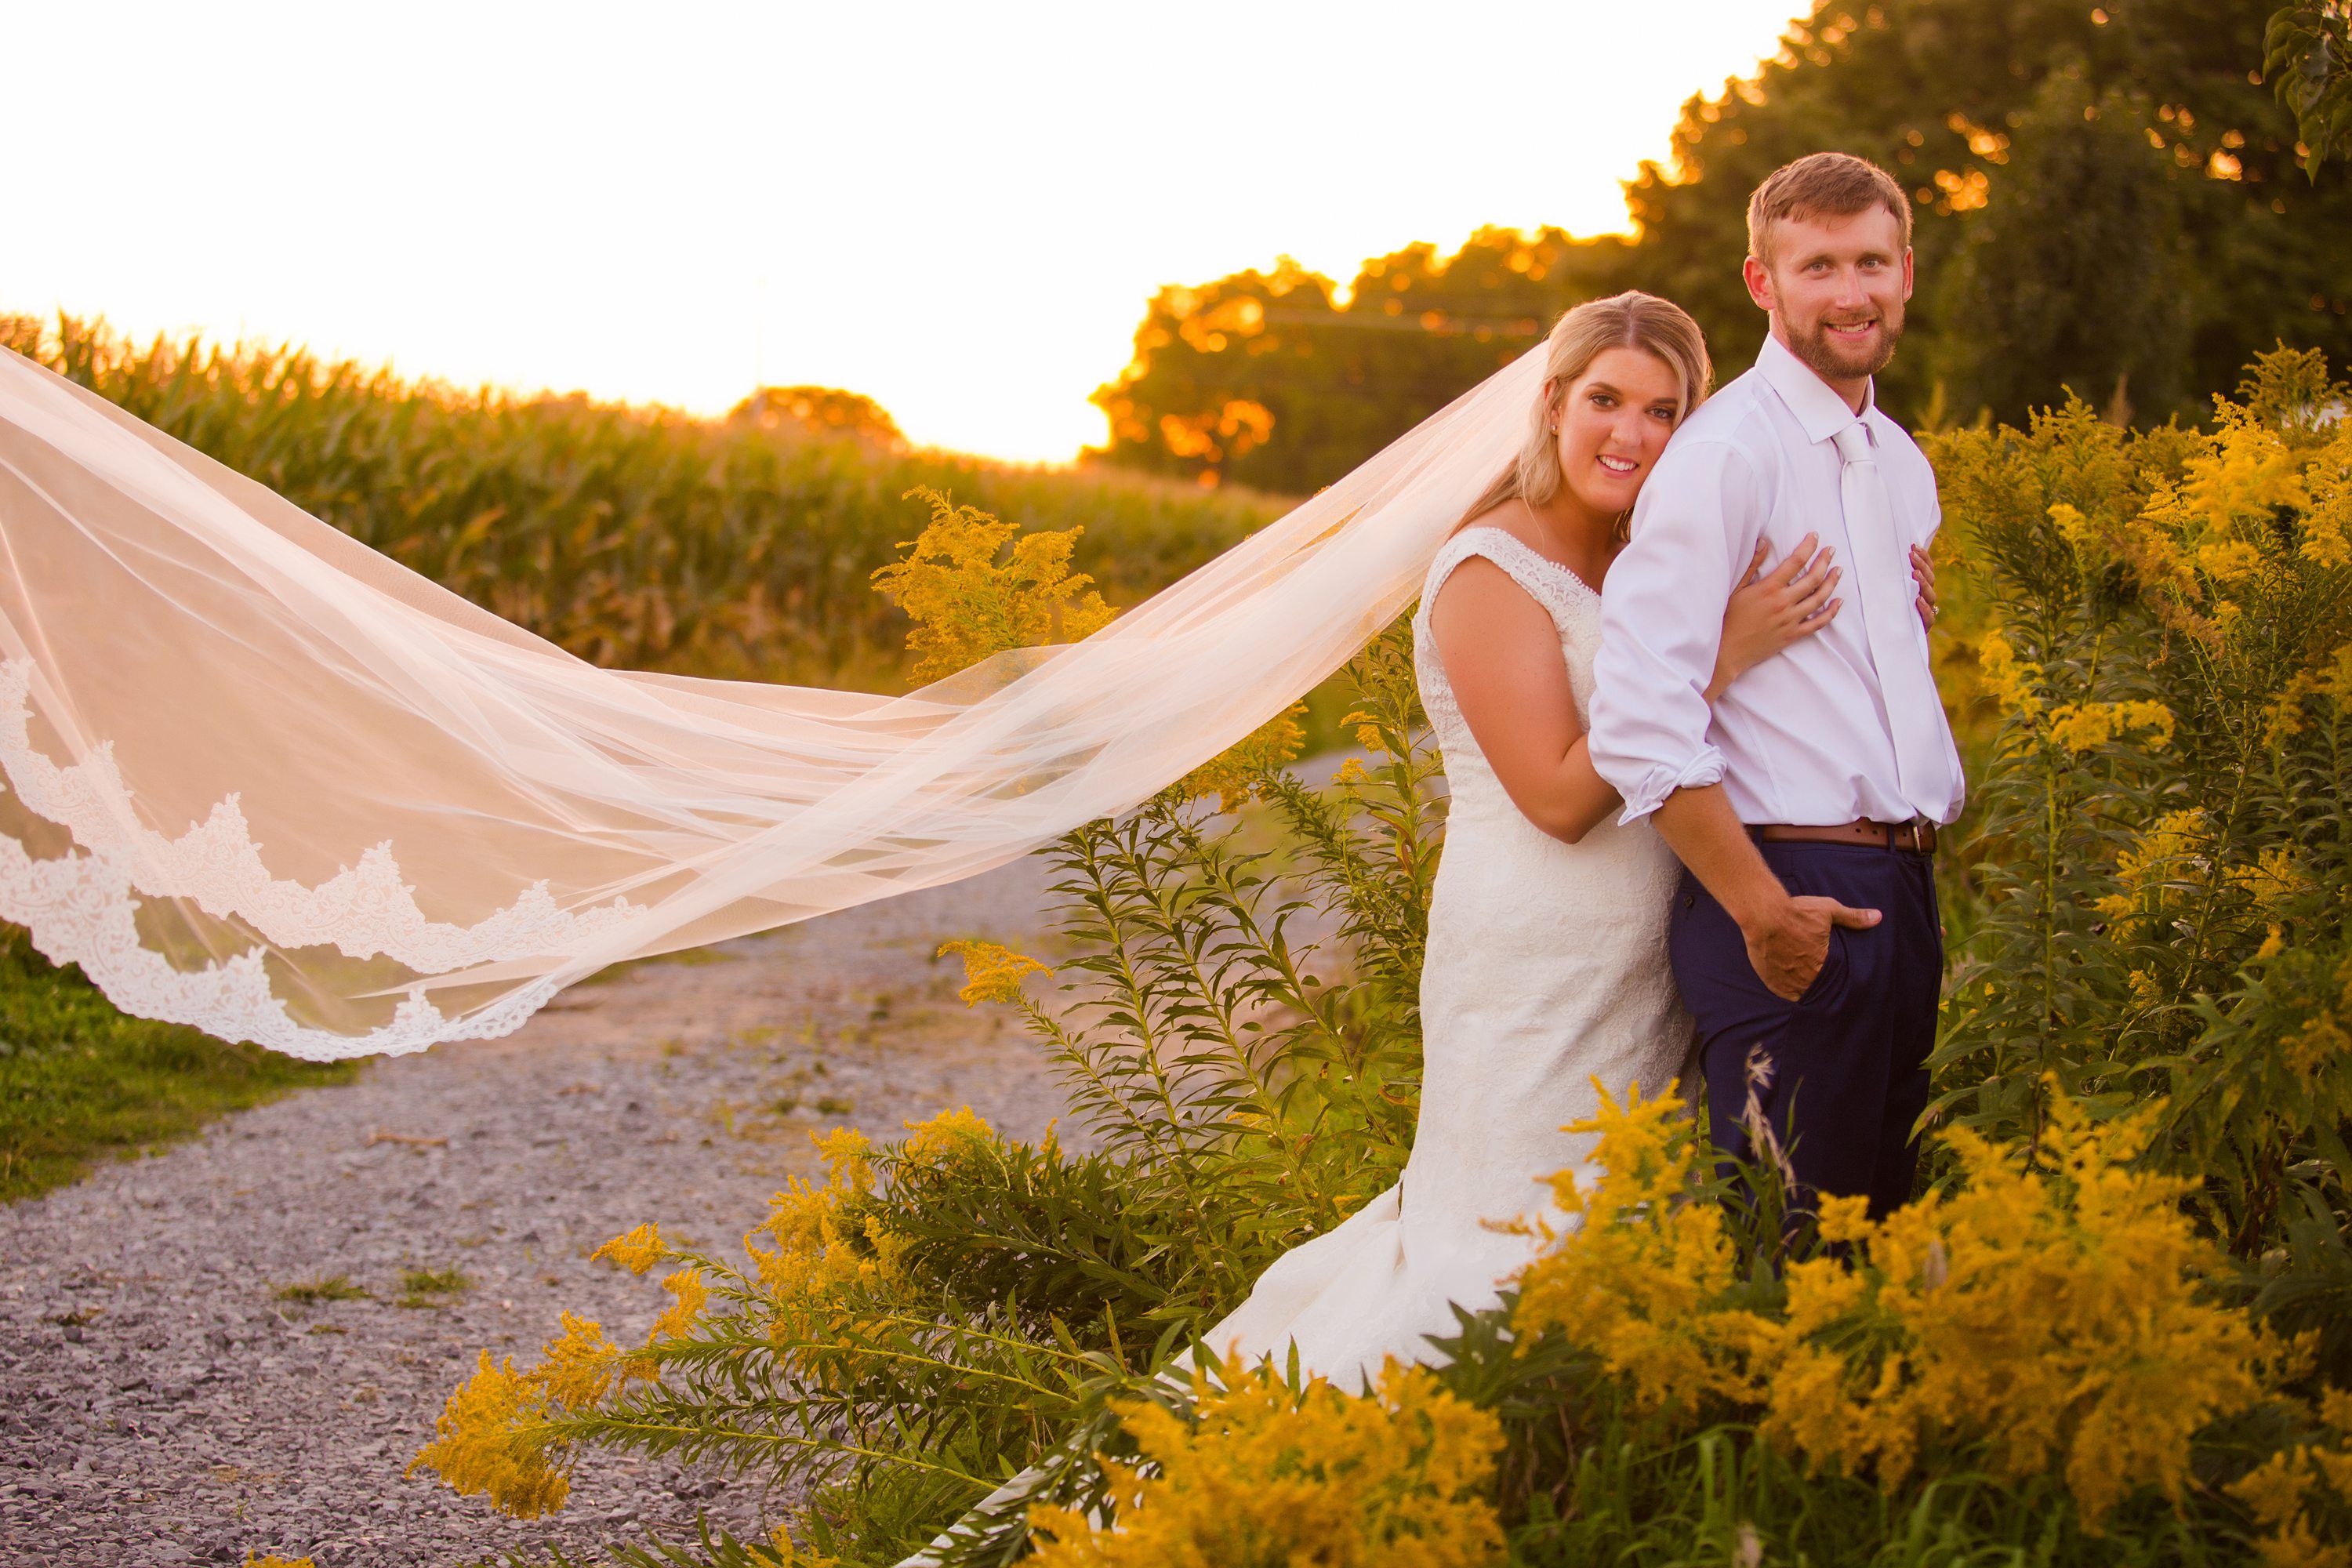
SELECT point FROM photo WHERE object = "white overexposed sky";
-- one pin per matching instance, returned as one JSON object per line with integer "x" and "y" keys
{"x": 959, "y": 210}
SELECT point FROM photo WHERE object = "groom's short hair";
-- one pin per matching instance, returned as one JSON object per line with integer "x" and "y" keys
{"x": 1823, "y": 185}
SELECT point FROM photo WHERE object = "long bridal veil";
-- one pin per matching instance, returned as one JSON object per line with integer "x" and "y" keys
{"x": 264, "y": 780}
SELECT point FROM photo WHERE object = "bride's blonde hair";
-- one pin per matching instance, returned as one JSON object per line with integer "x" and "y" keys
{"x": 1629, "y": 321}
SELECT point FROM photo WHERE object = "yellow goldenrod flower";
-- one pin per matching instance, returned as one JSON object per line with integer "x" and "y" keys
{"x": 2049, "y": 1317}
{"x": 2149, "y": 543}
{"x": 2274, "y": 1491}
{"x": 2246, "y": 471}
{"x": 2309, "y": 1050}
{"x": 689, "y": 1296}
{"x": 494, "y": 1440}
{"x": 2227, "y": 561}
{"x": 2273, "y": 881}
{"x": 2156, "y": 874}
{"x": 847, "y": 1157}
{"x": 2087, "y": 538}
{"x": 2282, "y": 718}
{"x": 578, "y": 1366}
{"x": 2336, "y": 681}
{"x": 2298, "y": 1546}
{"x": 1232, "y": 775}
{"x": 1368, "y": 732}
{"x": 495, "y": 1435}
{"x": 966, "y": 605}
{"x": 637, "y": 1251}
{"x": 2277, "y": 1491}
{"x": 1636, "y": 1281}
{"x": 2327, "y": 523}
{"x": 2010, "y": 679}
{"x": 780, "y": 1553}
{"x": 821, "y": 1248}
{"x": 1266, "y": 1474}
{"x": 990, "y": 973}
{"x": 2083, "y": 726}
{"x": 950, "y": 1130}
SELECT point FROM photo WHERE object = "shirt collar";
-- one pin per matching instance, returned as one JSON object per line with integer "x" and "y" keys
{"x": 1818, "y": 408}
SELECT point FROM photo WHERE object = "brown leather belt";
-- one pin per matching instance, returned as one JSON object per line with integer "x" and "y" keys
{"x": 1912, "y": 837}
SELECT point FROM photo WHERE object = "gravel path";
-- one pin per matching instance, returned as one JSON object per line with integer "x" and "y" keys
{"x": 162, "y": 1402}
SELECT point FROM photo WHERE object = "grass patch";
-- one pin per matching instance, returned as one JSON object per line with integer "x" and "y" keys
{"x": 81, "y": 1081}
{"x": 426, "y": 1287}
{"x": 330, "y": 1288}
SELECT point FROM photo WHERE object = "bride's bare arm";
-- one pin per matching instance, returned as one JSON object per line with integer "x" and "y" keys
{"x": 1501, "y": 657}
{"x": 1769, "y": 610}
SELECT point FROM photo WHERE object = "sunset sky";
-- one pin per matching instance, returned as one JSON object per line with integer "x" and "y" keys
{"x": 958, "y": 210}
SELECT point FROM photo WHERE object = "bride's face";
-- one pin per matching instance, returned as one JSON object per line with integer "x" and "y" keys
{"x": 1613, "y": 423}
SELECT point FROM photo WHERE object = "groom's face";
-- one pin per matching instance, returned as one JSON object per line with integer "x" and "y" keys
{"x": 1836, "y": 287}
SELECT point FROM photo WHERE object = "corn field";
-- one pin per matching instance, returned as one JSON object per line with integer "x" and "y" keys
{"x": 636, "y": 538}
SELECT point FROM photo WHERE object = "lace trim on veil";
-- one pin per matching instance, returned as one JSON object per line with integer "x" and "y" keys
{"x": 82, "y": 909}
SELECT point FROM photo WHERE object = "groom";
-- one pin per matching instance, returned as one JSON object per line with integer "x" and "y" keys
{"x": 1804, "y": 807}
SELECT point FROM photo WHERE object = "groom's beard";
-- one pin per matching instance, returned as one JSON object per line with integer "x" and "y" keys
{"x": 1833, "y": 361}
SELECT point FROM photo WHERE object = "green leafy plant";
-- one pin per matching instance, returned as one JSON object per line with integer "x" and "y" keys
{"x": 427, "y": 1286}
{"x": 2307, "y": 55}
{"x": 325, "y": 1288}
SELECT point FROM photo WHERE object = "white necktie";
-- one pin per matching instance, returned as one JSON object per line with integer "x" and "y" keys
{"x": 1890, "y": 621}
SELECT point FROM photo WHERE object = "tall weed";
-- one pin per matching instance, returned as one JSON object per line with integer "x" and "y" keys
{"x": 2165, "y": 870}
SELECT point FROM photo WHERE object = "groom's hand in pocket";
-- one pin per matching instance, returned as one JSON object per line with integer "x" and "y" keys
{"x": 1789, "y": 945}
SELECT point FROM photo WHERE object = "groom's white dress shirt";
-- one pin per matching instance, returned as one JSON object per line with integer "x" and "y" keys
{"x": 1804, "y": 737}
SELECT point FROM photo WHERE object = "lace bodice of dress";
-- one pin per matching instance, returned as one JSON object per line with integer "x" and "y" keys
{"x": 1574, "y": 609}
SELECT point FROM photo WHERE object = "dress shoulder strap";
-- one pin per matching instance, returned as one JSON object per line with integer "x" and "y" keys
{"x": 1548, "y": 583}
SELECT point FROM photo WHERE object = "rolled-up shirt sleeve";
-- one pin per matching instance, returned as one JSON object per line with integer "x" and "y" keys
{"x": 1662, "y": 623}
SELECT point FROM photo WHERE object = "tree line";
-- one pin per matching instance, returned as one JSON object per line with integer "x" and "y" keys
{"x": 2107, "y": 199}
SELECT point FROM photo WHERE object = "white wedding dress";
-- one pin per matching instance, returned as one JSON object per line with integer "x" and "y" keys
{"x": 1546, "y": 970}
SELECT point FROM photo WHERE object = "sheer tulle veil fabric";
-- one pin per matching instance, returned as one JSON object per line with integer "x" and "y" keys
{"x": 264, "y": 780}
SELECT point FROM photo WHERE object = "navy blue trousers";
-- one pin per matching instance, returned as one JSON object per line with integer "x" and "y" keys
{"x": 1848, "y": 1057}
